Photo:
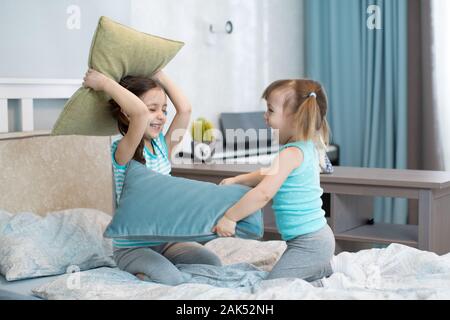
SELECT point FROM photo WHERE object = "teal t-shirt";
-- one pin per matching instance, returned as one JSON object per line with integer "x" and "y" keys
{"x": 158, "y": 162}
{"x": 297, "y": 204}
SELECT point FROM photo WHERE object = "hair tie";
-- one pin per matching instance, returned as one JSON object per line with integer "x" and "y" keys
{"x": 312, "y": 94}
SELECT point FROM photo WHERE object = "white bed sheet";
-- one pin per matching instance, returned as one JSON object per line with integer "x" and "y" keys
{"x": 23, "y": 288}
{"x": 396, "y": 272}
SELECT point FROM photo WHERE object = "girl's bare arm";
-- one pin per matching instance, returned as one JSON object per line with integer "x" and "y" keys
{"x": 258, "y": 197}
{"x": 133, "y": 107}
{"x": 251, "y": 179}
{"x": 183, "y": 110}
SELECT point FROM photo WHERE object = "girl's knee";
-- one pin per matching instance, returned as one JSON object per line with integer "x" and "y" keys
{"x": 323, "y": 271}
{"x": 211, "y": 259}
{"x": 202, "y": 255}
{"x": 192, "y": 253}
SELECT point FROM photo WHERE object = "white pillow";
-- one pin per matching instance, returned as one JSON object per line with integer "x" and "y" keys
{"x": 34, "y": 246}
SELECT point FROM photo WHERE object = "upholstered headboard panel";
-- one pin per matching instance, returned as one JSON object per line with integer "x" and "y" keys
{"x": 42, "y": 173}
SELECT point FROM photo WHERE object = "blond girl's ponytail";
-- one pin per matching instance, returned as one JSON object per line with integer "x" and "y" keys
{"x": 308, "y": 118}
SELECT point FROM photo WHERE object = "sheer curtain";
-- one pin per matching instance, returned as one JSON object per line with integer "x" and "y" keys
{"x": 440, "y": 13}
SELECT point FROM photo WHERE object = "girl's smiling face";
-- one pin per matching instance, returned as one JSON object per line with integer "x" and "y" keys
{"x": 156, "y": 101}
{"x": 277, "y": 118}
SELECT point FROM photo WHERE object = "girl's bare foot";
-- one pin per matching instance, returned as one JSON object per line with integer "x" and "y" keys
{"x": 140, "y": 276}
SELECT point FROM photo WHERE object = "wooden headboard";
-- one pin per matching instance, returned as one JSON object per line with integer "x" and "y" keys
{"x": 43, "y": 173}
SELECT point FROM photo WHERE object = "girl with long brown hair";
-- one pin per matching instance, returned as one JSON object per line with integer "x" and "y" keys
{"x": 140, "y": 107}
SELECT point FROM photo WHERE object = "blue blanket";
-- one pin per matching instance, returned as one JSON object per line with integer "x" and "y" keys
{"x": 231, "y": 276}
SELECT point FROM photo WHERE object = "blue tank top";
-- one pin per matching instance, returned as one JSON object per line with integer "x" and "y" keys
{"x": 297, "y": 204}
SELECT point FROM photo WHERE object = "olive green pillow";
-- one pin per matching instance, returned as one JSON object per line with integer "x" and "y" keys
{"x": 116, "y": 51}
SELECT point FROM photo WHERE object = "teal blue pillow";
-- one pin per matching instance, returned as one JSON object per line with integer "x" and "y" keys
{"x": 157, "y": 207}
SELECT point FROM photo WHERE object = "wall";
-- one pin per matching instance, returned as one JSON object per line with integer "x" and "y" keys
{"x": 42, "y": 39}
{"x": 51, "y": 39}
{"x": 227, "y": 73}
{"x": 223, "y": 73}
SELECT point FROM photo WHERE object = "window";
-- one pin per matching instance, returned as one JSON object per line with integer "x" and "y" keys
{"x": 441, "y": 51}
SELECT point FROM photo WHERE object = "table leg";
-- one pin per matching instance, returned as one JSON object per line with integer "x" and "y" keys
{"x": 434, "y": 222}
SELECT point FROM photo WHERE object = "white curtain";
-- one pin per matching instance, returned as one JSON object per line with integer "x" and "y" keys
{"x": 440, "y": 10}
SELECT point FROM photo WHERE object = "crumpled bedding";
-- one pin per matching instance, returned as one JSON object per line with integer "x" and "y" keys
{"x": 395, "y": 272}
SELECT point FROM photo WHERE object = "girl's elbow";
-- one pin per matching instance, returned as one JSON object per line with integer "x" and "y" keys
{"x": 187, "y": 109}
{"x": 183, "y": 108}
{"x": 139, "y": 113}
{"x": 264, "y": 196}
{"x": 137, "y": 109}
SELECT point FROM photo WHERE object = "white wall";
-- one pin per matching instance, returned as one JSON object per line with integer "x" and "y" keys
{"x": 227, "y": 73}
{"x": 223, "y": 74}
{"x": 51, "y": 39}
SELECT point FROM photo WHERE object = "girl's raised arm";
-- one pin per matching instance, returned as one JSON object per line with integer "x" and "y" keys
{"x": 134, "y": 109}
{"x": 182, "y": 106}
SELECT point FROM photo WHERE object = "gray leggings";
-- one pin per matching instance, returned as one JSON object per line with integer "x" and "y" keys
{"x": 158, "y": 262}
{"x": 307, "y": 257}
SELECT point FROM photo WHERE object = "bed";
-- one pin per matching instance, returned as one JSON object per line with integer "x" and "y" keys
{"x": 73, "y": 174}
{"x": 22, "y": 289}
{"x": 397, "y": 272}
